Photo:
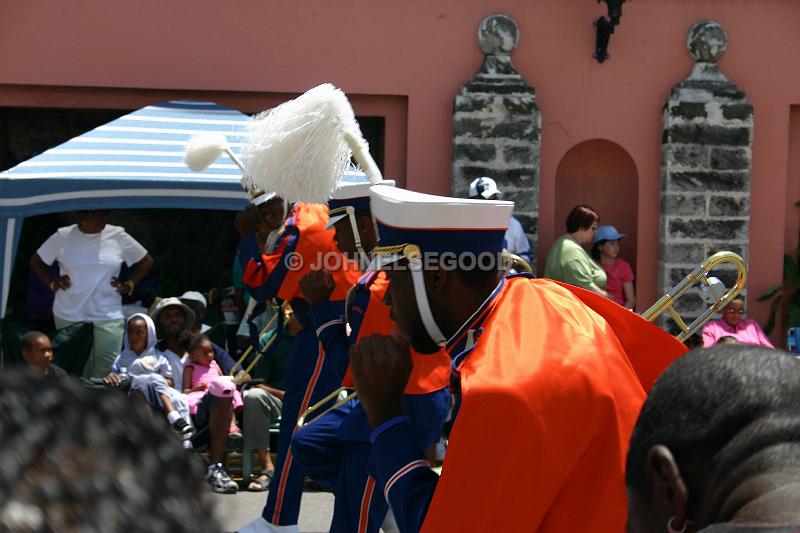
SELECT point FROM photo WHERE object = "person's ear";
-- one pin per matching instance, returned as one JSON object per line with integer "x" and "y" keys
{"x": 670, "y": 496}
{"x": 366, "y": 229}
{"x": 364, "y": 223}
{"x": 436, "y": 279}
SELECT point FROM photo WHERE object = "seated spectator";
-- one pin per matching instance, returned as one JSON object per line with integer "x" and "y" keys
{"x": 79, "y": 459}
{"x": 201, "y": 373}
{"x": 733, "y": 324}
{"x": 262, "y": 407}
{"x": 619, "y": 275}
{"x": 214, "y": 412}
{"x": 198, "y": 305}
{"x": 38, "y": 353}
{"x": 515, "y": 240}
{"x": 568, "y": 261}
{"x": 90, "y": 255}
{"x": 263, "y": 404}
{"x": 150, "y": 370}
{"x": 717, "y": 444}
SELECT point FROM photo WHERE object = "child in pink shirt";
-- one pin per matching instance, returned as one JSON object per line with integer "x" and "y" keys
{"x": 619, "y": 275}
{"x": 202, "y": 374}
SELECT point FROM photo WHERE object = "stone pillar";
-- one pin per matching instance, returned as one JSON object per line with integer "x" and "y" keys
{"x": 705, "y": 168}
{"x": 497, "y": 125}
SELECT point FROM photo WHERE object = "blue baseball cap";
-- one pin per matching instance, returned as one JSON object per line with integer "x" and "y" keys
{"x": 607, "y": 233}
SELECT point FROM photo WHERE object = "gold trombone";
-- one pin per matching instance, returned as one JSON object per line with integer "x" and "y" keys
{"x": 510, "y": 261}
{"x": 301, "y": 420}
{"x": 664, "y": 304}
{"x": 700, "y": 275}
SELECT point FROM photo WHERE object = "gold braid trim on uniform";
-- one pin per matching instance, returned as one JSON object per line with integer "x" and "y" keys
{"x": 408, "y": 250}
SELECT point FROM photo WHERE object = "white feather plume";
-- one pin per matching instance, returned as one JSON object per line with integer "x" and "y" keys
{"x": 298, "y": 149}
{"x": 202, "y": 150}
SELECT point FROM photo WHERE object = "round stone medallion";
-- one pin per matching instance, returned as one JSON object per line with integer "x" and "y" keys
{"x": 707, "y": 41}
{"x": 498, "y": 35}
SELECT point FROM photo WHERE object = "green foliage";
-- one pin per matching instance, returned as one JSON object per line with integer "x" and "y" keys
{"x": 786, "y": 296}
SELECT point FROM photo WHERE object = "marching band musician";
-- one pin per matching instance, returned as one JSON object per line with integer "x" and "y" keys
{"x": 276, "y": 274}
{"x": 549, "y": 379}
{"x": 334, "y": 449}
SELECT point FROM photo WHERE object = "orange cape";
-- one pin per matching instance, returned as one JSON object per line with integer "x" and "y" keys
{"x": 550, "y": 395}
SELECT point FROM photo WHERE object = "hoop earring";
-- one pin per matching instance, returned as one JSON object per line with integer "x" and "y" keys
{"x": 671, "y": 528}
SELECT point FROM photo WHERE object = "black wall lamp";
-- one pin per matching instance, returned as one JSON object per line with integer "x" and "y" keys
{"x": 605, "y": 27}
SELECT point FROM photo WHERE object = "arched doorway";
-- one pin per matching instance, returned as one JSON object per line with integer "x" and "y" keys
{"x": 601, "y": 174}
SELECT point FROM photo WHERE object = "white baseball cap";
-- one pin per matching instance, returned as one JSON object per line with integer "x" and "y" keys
{"x": 483, "y": 188}
{"x": 193, "y": 296}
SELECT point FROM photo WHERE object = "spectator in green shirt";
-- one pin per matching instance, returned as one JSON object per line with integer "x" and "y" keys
{"x": 568, "y": 261}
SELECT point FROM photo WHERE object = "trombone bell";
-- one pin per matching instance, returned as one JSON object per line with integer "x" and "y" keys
{"x": 510, "y": 261}
{"x": 712, "y": 293}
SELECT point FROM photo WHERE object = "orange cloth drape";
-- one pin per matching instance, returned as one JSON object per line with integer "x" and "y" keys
{"x": 550, "y": 395}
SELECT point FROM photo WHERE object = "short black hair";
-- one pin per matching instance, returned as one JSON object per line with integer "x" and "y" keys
{"x": 727, "y": 407}
{"x": 79, "y": 459}
{"x": 30, "y": 338}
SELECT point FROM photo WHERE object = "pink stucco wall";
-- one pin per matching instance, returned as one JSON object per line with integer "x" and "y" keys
{"x": 417, "y": 54}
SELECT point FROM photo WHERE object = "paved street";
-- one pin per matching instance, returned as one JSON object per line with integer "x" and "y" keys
{"x": 235, "y": 510}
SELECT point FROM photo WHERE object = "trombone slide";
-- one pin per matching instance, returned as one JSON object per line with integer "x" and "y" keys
{"x": 699, "y": 275}
{"x": 301, "y": 420}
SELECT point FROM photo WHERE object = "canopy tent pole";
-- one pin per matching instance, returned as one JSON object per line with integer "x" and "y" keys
{"x": 10, "y": 229}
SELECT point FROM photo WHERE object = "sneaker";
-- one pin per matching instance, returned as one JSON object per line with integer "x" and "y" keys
{"x": 220, "y": 481}
{"x": 182, "y": 427}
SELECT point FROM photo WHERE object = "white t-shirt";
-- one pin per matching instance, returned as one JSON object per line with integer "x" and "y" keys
{"x": 176, "y": 364}
{"x": 90, "y": 261}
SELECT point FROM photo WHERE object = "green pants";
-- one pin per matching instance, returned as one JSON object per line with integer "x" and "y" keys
{"x": 106, "y": 345}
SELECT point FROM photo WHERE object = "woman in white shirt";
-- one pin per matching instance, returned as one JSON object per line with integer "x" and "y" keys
{"x": 90, "y": 255}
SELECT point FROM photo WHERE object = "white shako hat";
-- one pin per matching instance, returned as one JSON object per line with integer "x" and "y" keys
{"x": 352, "y": 191}
{"x": 351, "y": 198}
{"x": 411, "y": 224}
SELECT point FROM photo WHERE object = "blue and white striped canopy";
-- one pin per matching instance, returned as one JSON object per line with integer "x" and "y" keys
{"x": 135, "y": 161}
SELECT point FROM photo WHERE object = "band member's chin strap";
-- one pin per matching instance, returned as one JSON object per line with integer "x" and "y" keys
{"x": 418, "y": 279}
{"x": 351, "y": 216}
{"x": 385, "y": 256}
